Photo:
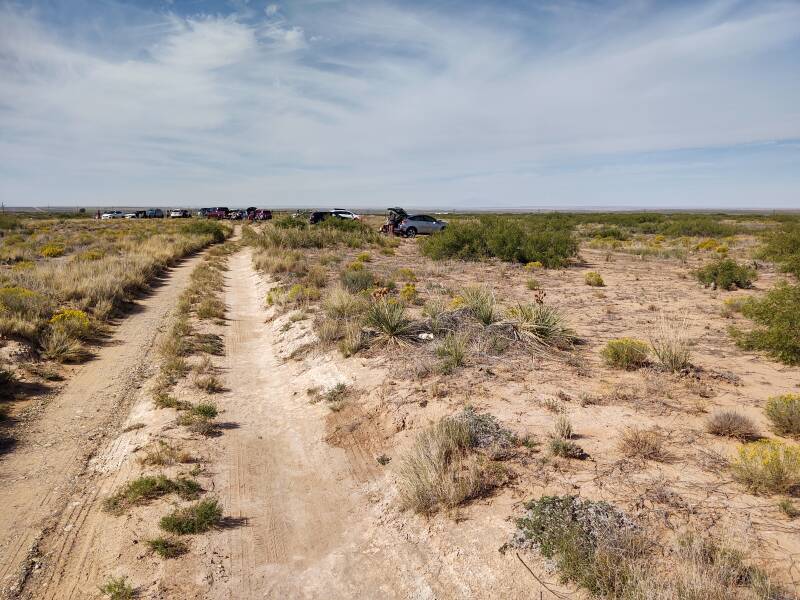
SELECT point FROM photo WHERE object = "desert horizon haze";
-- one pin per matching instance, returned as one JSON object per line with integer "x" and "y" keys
{"x": 437, "y": 104}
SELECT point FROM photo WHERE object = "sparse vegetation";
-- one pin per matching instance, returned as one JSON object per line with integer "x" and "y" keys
{"x": 594, "y": 279}
{"x": 480, "y": 302}
{"x": 167, "y": 547}
{"x": 542, "y": 325}
{"x": 646, "y": 444}
{"x": 731, "y": 424}
{"x": 118, "y": 588}
{"x": 626, "y": 353}
{"x": 147, "y": 488}
{"x": 199, "y": 517}
{"x": 784, "y": 414}
{"x": 768, "y": 467}
{"x": 671, "y": 344}
{"x": 388, "y": 318}
{"x": 452, "y": 351}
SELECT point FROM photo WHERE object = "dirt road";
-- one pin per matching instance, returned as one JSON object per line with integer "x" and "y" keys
{"x": 306, "y": 519}
{"x": 44, "y": 482}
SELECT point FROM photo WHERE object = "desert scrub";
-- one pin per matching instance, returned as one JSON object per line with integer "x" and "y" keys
{"x": 195, "y": 518}
{"x": 565, "y": 448}
{"x": 167, "y": 547}
{"x": 440, "y": 470}
{"x": 147, "y": 488}
{"x": 777, "y": 319}
{"x": 353, "y": 339}
{"x": 59, "y": 345}
{"x": 356, "y": 280}
{"x": 452, "y": 352}
{"x": 524, "y": 239}
{"x": 74, "y": 322}
{"x": 726, "y": 274}
{"x": 671, "y": 344}
{"x": 405, "y": 274}
{"x": 118, "y": 588}
{"x": 541, "y": 325}
{"x": 533, "y": 284}
{"x": 645, "y": 444}
{"x": 594, "y": 279}
{"x": 767, "y": 467}
{"x": 387, "y": 317}
{"x": 591, "y": 543}
{"x": 625, "y": 353}
{"x": 784, "y": 414}
{"x": 783, "y": 247}
{"x": 480, "y": 302}
{"x": 409, "y": 294}
{"x": 52, "y": 250}
{"x": 728, "y": 423}
{"x": 339, "y": 303}
{"x": 209, "y": 383}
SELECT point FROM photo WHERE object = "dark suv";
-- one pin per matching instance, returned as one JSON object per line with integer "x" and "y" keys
{"x": 154, "y": 213}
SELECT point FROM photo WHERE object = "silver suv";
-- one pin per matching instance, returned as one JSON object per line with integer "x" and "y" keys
{"x": 414, "y": 224}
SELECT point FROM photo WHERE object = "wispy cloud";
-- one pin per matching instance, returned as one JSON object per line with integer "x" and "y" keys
{"x": 322, "y": 102}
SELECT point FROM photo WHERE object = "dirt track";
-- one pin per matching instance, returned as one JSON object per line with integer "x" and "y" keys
{"x": 46, "y": 487}
{"x": 306, "y": 519}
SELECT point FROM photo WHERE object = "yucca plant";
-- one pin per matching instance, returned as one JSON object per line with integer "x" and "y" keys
{"x": 479, "y": 300}
{"x": 388, "y": 318}
{"x": 541, "y": 324}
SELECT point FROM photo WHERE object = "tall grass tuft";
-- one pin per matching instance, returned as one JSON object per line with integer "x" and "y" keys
{"x": 671, "y": 344}
{"x": 388, "y": 318}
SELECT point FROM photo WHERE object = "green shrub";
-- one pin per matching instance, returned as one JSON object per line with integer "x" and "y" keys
{"x": 784, "y": 414}
{"x": 626, "y": 353}
{"x": 356, "y": 280}
{"x": 195, "y": 518}
{"x": 594, "y": 279}
{"x": 167, "y": 548}
{"x": 512, "y": 239}
{"x": 589, "y": 541}
{"x": 783, "y": 247}
{"x": 777, "y": 316}
{"x": 147, "y": 488}
{"x": 214, "y": 229}
{"x": 726, "y": 274}
{"x": 453, "y": 351}
{"x": 117, "y": 588}
{"x": 768, "y": 467}
{"x": 566, "y": 448}
{"x": 388, "y": 318}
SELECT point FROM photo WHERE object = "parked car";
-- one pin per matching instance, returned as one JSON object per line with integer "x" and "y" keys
{"x": 112, "y": 214}
{"x": 219, "y": 212}
{"x": 131, "y": 215}
{"x": 262, "y": 214}
{"x": 154, "y": 213}
{"x": 237, "y": 215}
{"x": 179, "y": 213}
{"x": 345, "y": 214}
{"x": 414, "y": 224}
{"x": 203, "y": 212}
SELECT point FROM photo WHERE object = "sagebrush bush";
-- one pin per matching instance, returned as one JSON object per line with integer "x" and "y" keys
{"x": 726, "y": 274}
{"x": 594, "y": 279}
{"x": 768, "y": 467}
{"x": 626, "y": 353}
{"x": 512, "y": 239}
{"x": 731, "y": 424}
{"x": 784, "y": 414}
{"x": 777, "y": 319}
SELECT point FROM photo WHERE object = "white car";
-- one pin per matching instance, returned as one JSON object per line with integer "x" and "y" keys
{"x": 130, "y": 215}
{"x": 345, "y": 214}
{"x": 112, "y": 214}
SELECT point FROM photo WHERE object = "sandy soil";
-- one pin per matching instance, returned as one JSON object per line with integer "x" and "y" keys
{"x": 311, "y": 513}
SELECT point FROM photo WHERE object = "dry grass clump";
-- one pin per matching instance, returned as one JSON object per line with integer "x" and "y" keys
{"x": 784, "y": 414}
{"x": 646, "y": 444}
{"x": 480, "y": 302}
{"x": 339, "y": 303}
{"x": 452, "y": 351}
{"x": 731, "y": 424}
{"x": 211, "y": 307}
{"x": 209, "y": 383}
{"x": 354, "y": 339}
{"x": 195, "y": 518}
{"x": 164, "y": 454}
{"x": 145, "y": 489}
{"x": 118, "y": 588}
{"x": 768, "y": 467}
{"x": 562, "y": 427}
{"x": 625, "y": 353}
{"x": 441, "y": 470}
{"x": 671, "y": 344}
{"x": 387, "y": 317}
{"x": 59, "y": 345}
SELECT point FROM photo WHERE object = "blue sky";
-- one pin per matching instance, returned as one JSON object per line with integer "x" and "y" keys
{"x": 439, "y": 104}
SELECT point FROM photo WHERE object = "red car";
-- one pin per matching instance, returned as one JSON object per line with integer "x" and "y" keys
{"x": 219, "y": 212}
